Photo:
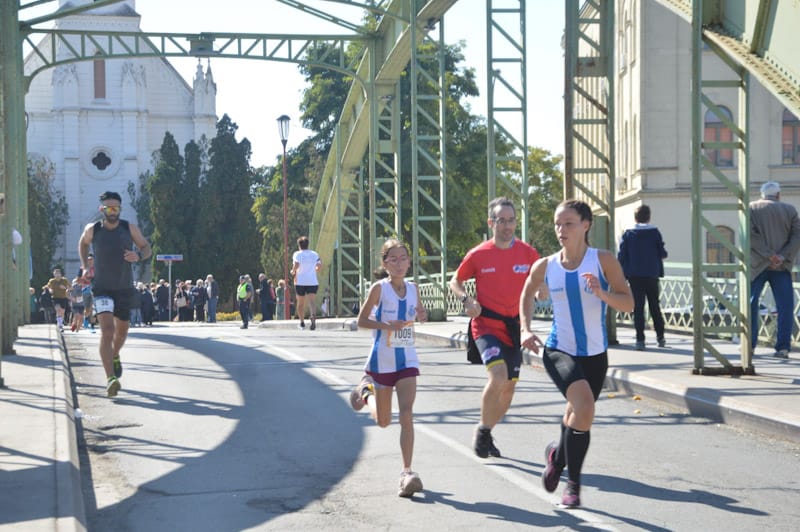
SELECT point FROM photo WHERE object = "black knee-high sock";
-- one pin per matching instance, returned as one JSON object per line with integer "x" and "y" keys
{"x": 561, "y": 452}
{"x": 577, "y": 445}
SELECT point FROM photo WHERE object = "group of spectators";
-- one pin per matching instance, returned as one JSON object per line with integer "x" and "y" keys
{"x": 188, "y": 301}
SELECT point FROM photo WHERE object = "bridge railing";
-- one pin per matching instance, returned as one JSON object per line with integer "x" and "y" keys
{"x": 676, "y": 304}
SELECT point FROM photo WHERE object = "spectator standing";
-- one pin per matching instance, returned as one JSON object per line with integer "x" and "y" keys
{"x": 199, "y": 299}
{"x": 306, "y": 264}
{"x": 266, "y": 294}
{"x": 212, "y": 293}
{"x": 280, "y": 299}
{"x": 641, "y": 254}
{"x": 147, "y": 304}
{"x": 136, "y": 306}
{"x": 774, "y": 242}
{"x": 244, "y": 293}
{"x": 35, "y": 308}
{"x": 162, "y": 300}
{"x": 113, "y": 240}
{"x": 58, "y": 286}
{"x": 499, "y": 266}
{"x": 183, "y": 302}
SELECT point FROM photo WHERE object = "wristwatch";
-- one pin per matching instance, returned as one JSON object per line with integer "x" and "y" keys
{"x": 464, "y": 298}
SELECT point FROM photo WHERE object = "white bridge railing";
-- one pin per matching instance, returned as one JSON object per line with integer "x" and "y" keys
{"x": 676, "y": 304}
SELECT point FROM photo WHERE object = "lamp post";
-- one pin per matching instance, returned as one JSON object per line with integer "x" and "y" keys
{"x": 283, "y": 131}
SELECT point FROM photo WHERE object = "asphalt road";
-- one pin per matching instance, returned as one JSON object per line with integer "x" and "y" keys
{"x": 218, "y": 429}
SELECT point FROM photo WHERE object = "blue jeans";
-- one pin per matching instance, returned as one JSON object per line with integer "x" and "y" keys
{"x": 780, "y": 282}
{"x": 212, "y": 310}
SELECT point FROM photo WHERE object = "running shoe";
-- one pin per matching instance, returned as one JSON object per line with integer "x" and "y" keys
{"x": 552, "y": 471}
{"x": 662, "y": 342}
{"x": 302, "y": 326}
{"x": 572, "y": 495}
{"x": 113, "y": 387}
{"x": 483, "y": 442}
{"x": 313, "y": 323}
{"x": 359, "y": 394}
{"x": 410, "y": 484}
{"x": 117, "y": 367}
{"x": 781, "y": 353}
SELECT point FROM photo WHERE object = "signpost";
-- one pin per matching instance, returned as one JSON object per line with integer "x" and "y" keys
{"x": 169, "y": 259}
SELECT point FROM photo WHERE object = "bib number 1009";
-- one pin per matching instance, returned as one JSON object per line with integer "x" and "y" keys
{"x": 402, "y": 338}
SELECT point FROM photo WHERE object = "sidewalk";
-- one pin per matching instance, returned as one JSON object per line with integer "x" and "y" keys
{"x": 768, "y": 402}
{"x": 39, "y": 465}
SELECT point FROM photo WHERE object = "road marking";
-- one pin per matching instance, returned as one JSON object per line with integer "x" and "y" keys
{"x": 533, "y": 488}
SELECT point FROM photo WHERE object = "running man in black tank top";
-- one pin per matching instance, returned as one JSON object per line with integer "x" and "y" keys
{"x": 113, "y": 240}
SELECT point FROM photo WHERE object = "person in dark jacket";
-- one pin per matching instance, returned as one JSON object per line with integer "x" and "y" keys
{"x": 148, "y": 305}
{"x": 642, "y": 254}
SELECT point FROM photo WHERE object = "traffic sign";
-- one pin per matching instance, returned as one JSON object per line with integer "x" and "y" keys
{"x": 169, "y": 258}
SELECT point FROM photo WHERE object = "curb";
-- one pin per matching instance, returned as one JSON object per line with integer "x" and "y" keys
{"x": 700, "y": 402}
{"x": 706, "y": 403}
{"x": 70, "y": 510}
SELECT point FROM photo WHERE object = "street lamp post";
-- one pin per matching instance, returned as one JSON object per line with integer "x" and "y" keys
{"x": 283, "y": 130}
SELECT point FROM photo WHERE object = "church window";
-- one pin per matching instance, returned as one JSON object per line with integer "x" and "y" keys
{"x": 717, "y": 131}
{"x": 101, "y": 161}
{"x": 99, "y": 79}
{"x": 790, "y": 138}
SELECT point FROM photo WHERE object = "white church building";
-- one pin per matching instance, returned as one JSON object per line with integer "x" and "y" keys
{"x": 100, "y": 121}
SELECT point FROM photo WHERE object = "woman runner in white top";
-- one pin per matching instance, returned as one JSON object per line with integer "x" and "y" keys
{"x": 391, "y": 307}
{"x": 583, "y": 282}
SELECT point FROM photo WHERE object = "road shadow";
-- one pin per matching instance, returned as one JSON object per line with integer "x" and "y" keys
{"x": 287, "y": 449}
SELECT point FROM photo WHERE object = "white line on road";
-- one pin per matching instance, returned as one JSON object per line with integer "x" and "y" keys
{"x": 516, "y": 479}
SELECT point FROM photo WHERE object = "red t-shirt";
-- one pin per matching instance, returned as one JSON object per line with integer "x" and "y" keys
{"x": 499, "y": 277}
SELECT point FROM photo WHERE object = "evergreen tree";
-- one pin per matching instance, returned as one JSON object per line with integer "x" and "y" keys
{"x": 48, "y": 214}
{"x": 225, "y": 241}
{"x": 166, "y": 207}
{"x": 191, "y": 203}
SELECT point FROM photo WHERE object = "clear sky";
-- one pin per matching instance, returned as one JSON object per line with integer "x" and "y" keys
{"x": 255, "y": 93}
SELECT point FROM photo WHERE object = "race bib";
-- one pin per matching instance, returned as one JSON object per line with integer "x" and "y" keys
{"x": 402, "y": 338}
{"x": 103, "y": 304}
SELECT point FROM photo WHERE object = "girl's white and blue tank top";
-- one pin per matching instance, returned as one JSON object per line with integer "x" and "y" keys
{"x": 579, "y": 317}
{"x": 394, "y": 351}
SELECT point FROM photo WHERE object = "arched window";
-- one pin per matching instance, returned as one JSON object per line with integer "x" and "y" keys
{"x": 790, "y": 138}
{"x": 99, "y": 79}
{"x": 717, "y": 131}
{"x": 716, "y": 253}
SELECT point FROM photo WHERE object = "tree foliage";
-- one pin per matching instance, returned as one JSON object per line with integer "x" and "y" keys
{"x": 166, "y": 206}
{"x": 546, "y": 181}
{"x": 48, "y": 214}
{"x": 225, "y": 237}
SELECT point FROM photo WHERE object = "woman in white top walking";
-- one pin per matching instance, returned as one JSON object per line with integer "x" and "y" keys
{"x": 391, "y": 307}
{"x": 582, "y": 282}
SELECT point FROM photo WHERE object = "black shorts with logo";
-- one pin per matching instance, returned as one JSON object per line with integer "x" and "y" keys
{"x": 116, "y": 301}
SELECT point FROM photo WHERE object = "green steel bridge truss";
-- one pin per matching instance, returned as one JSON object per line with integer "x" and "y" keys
{"x": 361, "y": 190}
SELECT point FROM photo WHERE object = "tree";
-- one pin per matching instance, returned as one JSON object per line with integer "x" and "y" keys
{"x": 225, "y": 234}
{"x": 546, "y": 182}
{"x": 140, "y": 201}
{"x": 48, "y": 214}
{"x": 191, "y": 202}
{"x": 166, "y": 204}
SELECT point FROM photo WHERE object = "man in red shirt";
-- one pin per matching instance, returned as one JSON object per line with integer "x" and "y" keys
{"x": 499, "y": 266}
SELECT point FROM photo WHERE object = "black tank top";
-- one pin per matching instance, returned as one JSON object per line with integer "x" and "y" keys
{"x": 111, "y": 270}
